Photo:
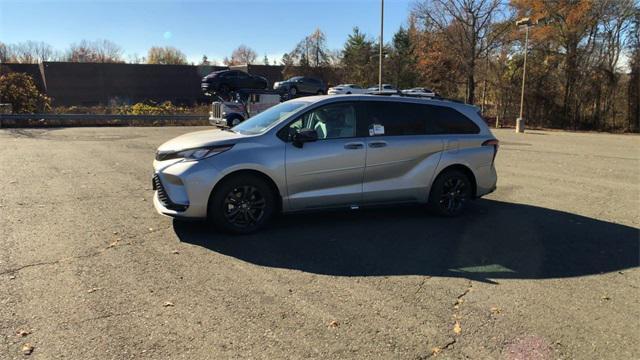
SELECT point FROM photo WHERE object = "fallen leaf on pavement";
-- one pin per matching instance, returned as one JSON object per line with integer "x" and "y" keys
{"x": 456, "y": 328}
{"x": 435, "y": 351}
{"x": 168, "y": 304}
{"x": 23, "y": 333}
{"x": 495, "y": 310}
{"x": 113, "y": 244}
{"x": 27, "y": 349}
{"x": 93, "y": 290}
{"x": 605, "y": 298}
{"x": 334, "y": 323}
{"x": 175, "y": 252}
{"x": 12, "y": 277}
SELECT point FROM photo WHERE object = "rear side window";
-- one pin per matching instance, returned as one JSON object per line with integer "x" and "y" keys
{"x": 449, "y": 121}
{"x": 399, "y": 118}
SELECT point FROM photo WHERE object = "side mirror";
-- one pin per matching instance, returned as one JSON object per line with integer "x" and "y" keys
{"x": 303, "y": 136}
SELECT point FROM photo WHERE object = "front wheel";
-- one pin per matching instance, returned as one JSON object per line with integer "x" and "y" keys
{"x": 242, "y": 204}
{"x": 233, "y": 121}
{"x": 293, "y": 91}
{"x": 450, "y": 193}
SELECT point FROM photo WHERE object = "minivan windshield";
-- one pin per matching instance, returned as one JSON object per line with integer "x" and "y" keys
{"x": 269, "y": 117}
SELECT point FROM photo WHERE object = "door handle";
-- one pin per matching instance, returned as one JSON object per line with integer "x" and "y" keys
{"x": 352, "y": 146}
{"x": 378, "y": 144}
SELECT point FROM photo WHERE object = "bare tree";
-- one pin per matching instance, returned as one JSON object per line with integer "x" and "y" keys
{"x": 4, "y": 53}
{"x": 107, "y": 51}
{"x": 31, "y": 52}
{"x": 312, "y": 51}
{"x": 471, "y": 28}
{"x": 241, "y": 55}
{"x": 136, "y": 59}
{"x": 99, "y": 51}
{"x": 166, "y": 55}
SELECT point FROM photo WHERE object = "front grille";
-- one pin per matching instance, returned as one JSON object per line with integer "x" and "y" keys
{"x": 164, "y": 198}
{"x": 216, "y": 110}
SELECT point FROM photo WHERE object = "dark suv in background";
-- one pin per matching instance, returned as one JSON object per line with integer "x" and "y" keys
{"x": 222, "y": 82}
{"x": 299, "y": 85}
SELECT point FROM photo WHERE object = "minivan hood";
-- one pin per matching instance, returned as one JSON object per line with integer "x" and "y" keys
{"x": 200, "y": 139}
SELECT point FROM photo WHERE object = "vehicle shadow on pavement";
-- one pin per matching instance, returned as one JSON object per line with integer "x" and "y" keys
{"x": 493, "y": 240}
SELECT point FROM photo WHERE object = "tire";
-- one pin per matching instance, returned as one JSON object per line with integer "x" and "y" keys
{"x": 320, "y": 92}
{"x": 349, "y": 93}
{"x": 242, "y": 204}
{"x": 233, "y": 121}
{"x": 292, "y": 92}
{"x": 450, "y": 193}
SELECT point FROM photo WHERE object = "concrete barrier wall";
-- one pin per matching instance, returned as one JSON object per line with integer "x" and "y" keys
{"x": 90, "y": 84}
{"x": 100, "y": 84}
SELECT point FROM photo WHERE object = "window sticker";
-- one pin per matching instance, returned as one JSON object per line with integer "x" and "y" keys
{"x": 377, "y": 129}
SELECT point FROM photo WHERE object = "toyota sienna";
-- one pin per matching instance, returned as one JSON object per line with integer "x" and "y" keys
{"x": 344, "y": 151}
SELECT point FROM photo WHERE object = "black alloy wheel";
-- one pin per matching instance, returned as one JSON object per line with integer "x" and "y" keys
{"x": 450, "y": 193}
{"x": 242, "y": 204}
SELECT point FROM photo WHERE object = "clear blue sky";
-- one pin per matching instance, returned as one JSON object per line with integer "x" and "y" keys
{"x": 212, "y": 27}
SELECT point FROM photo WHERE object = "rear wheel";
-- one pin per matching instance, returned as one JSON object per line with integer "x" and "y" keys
{"x": 293, "y": 91}
{"x": 242, "y": 204}
{"x": 450, "y": 193}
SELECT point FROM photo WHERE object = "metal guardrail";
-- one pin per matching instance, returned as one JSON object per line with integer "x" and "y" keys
{"x": 14, "y": 120}
{"x": 100, "y": 117}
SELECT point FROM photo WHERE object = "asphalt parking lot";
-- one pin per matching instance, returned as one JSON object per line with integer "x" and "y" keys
{"x": 544, "y": 268}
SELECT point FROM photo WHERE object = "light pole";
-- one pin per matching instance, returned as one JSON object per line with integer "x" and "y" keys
{"x": 380, "y": 59}
{"x": 526, "y": 22}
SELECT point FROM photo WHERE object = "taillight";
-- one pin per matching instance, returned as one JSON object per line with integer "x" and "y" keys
{"x": 496, "y": 144}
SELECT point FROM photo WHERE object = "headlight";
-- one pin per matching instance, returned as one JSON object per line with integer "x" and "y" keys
{"x": 193, "y": 154}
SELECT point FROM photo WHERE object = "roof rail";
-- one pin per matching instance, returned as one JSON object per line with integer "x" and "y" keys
{"x": 400, "y": 93}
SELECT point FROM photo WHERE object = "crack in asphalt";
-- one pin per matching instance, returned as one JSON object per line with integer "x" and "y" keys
{"x": 456, "y": 315}
{"x": 105, "y": 316}
{"x": 84, "y": 256}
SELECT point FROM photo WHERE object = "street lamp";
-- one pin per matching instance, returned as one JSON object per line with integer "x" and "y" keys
{"x": 380, "y": 59}
{"x": 527, "y": 23}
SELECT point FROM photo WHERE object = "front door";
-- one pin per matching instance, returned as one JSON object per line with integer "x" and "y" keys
{"x": 327, "y": 172}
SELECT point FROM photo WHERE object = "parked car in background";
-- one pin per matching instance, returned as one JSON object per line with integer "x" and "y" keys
{"x": 343, "y": 151}
{"x": 225, "y": 81}
{"x": 346, "y": 89}
{"x": 420, "y": 91}
{"x": 300, "y": 85}
{"x": 386, "y": 89}
{"x": 245, "y": 104}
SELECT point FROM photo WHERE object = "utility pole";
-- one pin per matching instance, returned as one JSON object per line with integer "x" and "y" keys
{"x": 381, "y": 45}
{"x": 526, "y": 22}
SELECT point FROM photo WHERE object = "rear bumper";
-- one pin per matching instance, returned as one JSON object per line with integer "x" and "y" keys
{"x": 486, "y": 180}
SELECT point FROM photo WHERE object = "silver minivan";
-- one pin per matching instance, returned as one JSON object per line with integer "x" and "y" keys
{"x": 344, "y": 151}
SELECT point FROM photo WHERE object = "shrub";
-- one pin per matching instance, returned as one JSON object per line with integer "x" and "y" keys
{"x": 19, "y": 90}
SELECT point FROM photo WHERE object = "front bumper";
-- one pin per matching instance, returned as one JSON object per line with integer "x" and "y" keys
{"x": 220, "y": 122}
{"x": 182, "y": 189}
